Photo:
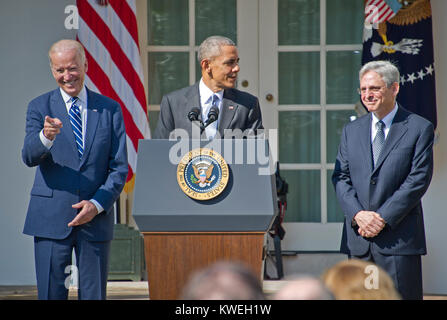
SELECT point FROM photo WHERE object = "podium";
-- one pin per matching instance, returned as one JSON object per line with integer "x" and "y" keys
{"x": 182, "y": 234}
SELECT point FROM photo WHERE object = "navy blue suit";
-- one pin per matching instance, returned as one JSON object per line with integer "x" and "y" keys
{"x": 62, "y": 180}
{"x": 393, "y": 189}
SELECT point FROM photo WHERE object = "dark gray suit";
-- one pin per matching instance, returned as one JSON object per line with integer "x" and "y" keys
{"x": 240, "y": 110}
{"x": 393, "y": 189}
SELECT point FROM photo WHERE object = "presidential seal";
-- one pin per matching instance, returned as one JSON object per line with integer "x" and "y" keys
{"x": 202, "y": 174}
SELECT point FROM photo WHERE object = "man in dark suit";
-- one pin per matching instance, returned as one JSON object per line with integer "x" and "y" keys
{"x": 77, "y": 140}
{"x": 383, "y": 168}
{"x": 219, "y": 61}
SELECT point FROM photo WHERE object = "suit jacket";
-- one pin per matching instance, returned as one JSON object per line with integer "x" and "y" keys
{"x": 240, "y": 110}
{"x": 393, "y": 189}
{"x": 62, "y": 179}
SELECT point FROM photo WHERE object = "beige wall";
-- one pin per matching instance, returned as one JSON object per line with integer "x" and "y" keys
{"x": 27, "y": 29}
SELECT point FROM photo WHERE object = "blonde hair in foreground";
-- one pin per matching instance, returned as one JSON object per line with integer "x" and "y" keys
{"x": 355, "y": 279}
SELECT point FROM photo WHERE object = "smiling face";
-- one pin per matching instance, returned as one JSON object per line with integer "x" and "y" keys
{"x": 221, "y": 72}
{"x": 375, "y": 94}
{"x": 68, "y": 70}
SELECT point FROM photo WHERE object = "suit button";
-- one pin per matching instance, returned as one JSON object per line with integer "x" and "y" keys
{"x": 373, "y": 182}
{"x": 77, "y": 192}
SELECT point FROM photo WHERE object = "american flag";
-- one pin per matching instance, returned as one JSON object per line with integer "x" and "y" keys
{"x": 378, "y": 11}
{"x": 108, "y": 32}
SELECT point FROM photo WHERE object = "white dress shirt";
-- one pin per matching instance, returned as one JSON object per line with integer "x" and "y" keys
{"x": 387, "y": 120}
{"x": 206, "y": 100}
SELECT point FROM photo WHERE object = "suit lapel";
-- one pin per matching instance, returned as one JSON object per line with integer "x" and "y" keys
{"x": 398, "y": 129}
{"x": 92, "y": 124}
{"x": 59, "y": 110}
{"x": 227, "y": 112}
{"x": 192, "y": 99}
{"x": 365, "y": 139}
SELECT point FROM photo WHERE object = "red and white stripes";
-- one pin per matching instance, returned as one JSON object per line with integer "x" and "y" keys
{"x": 378, "y": 11}
{"x": 108, "y": 32}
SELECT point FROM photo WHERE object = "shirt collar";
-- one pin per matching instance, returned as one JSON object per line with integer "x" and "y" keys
{"x": 82, "y": 96}
{"x": 206, "y": 93}
{"x": 387, "y": 120}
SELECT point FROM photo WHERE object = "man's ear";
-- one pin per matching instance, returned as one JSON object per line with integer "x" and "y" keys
{"x": 205, "y": 65}
{"x": 396, "y": 88}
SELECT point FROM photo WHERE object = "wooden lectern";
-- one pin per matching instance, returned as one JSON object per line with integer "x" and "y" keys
{"x": 182, "y": 235}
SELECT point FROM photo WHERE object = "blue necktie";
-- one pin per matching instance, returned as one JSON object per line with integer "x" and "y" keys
{"x": 76, "y": 124}
{"x": 378, "y": 141}
{"x": 215, "y": 100}
{"x": 214, "y": 103}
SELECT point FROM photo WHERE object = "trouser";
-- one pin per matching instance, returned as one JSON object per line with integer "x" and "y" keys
{"x": 53, "y": 259}
{"x": 405, "y": 270}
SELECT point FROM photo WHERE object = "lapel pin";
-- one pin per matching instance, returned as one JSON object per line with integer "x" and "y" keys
{"x": 95, "y": 110}
{"x": 231, "y": 107}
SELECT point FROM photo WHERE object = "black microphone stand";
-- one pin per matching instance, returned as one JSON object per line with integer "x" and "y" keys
{"x": 213, "y": 115}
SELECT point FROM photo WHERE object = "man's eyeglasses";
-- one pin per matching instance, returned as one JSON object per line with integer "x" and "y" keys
{"x": 370, "y": 89}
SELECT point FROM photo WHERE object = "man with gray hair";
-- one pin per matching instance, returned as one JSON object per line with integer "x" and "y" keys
{"x": 213, "y": 102}
{"x": 384, "y": 166}
{"x": 77, "y": 140}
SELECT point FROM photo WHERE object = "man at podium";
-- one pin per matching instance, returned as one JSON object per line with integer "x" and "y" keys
{"x": 213, "y": 105}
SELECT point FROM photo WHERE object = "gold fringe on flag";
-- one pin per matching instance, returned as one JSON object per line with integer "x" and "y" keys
{"x": 128, "y": 187}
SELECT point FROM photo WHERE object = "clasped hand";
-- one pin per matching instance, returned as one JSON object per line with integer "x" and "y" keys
{"x": 370, "y": 223}
{"x": 87, "y": 213}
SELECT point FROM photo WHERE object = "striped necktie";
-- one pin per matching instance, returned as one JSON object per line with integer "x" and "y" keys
{"x": 76, "y": 124}
{"x": 378, "y": 141}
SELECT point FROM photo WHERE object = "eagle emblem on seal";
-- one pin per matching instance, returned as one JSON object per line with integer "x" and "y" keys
{"x": 202, "y": 174}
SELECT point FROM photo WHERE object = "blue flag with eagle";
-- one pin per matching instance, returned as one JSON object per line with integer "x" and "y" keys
{"x": 401, "y": 32}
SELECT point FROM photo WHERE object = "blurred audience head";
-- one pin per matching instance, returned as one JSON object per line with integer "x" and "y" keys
{"x": 223, "y": 281}
{"x": 355, "y": 279}
{"x": 303, "y": 287}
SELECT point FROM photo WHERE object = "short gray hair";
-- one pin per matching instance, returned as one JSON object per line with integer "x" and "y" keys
{"x": 65, "y": 45}
{"x": 386, "y": 69}
{"x": 210, "y": 47}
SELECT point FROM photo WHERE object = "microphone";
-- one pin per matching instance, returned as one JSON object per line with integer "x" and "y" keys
{"x": 193, "y": 115}
{"x": 213, "y": 115}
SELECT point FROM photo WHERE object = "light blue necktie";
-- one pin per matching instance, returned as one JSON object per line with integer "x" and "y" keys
{"x": 215, "y": 100}
{"x": 76, "y": 124}
{"x": 214, "y": 103}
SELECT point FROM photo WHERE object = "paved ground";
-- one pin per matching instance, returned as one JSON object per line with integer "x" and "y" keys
{"x": 124, "y": 290}
{"x": 116, "y": 290}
